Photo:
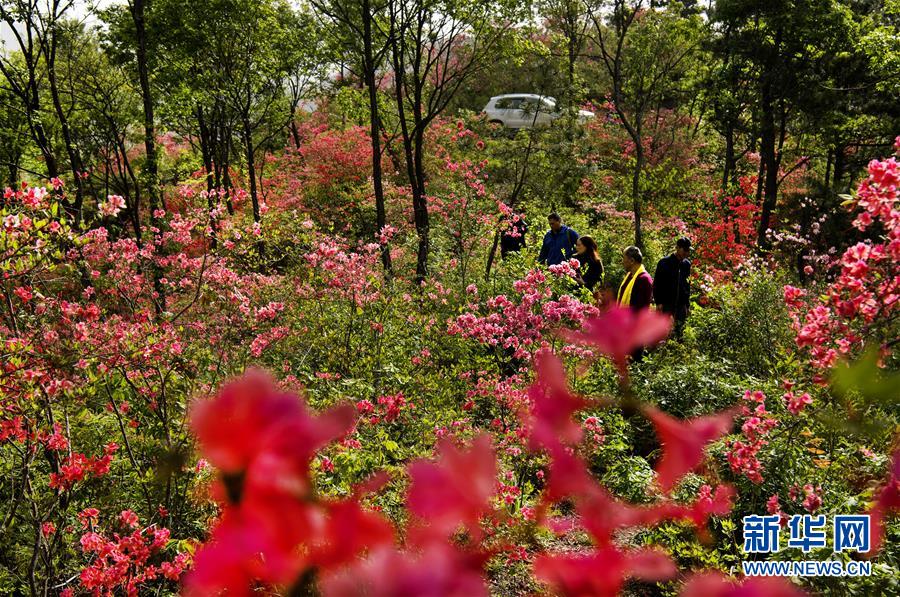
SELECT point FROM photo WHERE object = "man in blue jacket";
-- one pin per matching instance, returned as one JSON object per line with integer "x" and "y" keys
{"x": 559, "y": 242}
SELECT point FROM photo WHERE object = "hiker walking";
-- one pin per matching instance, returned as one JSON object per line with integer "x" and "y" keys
{"x": 559, "y": 242}
{"x": 672, "y": 286}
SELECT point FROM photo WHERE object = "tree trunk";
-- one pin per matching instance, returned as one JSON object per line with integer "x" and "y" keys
{"x": 839, "y": 165}
{"x": 251, "y": 167}
{"x": 74, "y": 158}
{"x": 768, "y": 154}
{"x": 12, "y": 169}
{"x": 420, "y": 207}
{"x": 295, "y": 132}
{"x": 730, "y": 166}
{"x": 412, "y": 148}
{"x": 375, "y": 133}
{"x": 768, "y": 161}
{"x": 150, "y": 170}
{"x": 636, "y": 194}
{"x": 206, "y": 152}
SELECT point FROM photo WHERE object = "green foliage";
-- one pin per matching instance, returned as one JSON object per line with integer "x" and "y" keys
{"x": 629, "y": 478}
{"x": 748, "y": 329}
{"x": 687, "y": 383}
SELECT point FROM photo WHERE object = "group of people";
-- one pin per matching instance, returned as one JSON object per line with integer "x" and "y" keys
{"x": 669, "y": 288}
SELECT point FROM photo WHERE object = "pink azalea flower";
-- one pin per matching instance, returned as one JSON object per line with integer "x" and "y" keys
{"x": 552, "y": 405}
{"x": 715, "y": 584}
{"x": 457, "y": 488}
{"x": 619, "y": 331}
{"x": 683, "y": 442}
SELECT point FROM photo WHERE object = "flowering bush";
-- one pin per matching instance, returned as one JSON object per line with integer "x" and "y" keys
{"x": 859, "y": 307}
{"x": 519, "y": 325}
{"x": 102, "y": 335}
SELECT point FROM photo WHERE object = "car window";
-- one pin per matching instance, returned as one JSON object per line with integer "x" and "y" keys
{"x": 530, "y": 105}
{"x": 508, "y": 103}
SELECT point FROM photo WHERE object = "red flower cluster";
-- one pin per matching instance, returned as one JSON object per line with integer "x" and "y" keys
{"x": 125, "y": 561}
{"x": 78, "y": 467}
{"x": 730, "y": 232}
{"x": 519, "y": 324}
{"x": 618, "y": 331}
{"x": 274, "y": 529}
{"x": 743, "y": 455}
{"x": 860, "y": 305}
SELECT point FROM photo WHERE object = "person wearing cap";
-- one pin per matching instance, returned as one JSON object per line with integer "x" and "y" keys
{"x": 513, "y": 238}
{"x": 672, "y": 286}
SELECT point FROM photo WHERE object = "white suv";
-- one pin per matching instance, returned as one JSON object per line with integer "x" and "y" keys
{"x": 526, "y": 110}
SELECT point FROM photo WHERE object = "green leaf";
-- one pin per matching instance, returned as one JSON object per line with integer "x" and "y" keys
{"x": 867, "y": 379}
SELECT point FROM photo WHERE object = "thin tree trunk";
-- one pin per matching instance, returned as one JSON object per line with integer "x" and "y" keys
{"x": 839, "y": 164}
{"x": 74, "y": 157}
{"x": 768, "y": 162}
{"x": 730, "y": 165}
{"x": 251, "y": 167}
{"x": 206, "y": 152}
{"x": 420, "y": 208}
{"x": 375, "y": 133}
{"x": 150, "y": 170}
{"x": 636, "y": 194}
{"x": 768, "y": 154}
{"x": 295, "y": 132}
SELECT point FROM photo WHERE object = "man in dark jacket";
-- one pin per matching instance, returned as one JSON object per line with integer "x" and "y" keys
{"x": 559, "y": 242}
{"x": 513, "y": 238}
{"x": 672, "y": 286}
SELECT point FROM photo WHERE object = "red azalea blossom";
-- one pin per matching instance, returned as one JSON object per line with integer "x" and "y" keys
{"x": 715, "y": 584}
{"x": 684, "y": 442}
{"x": 267, "y": 476}
{"x": 457, "y": 488}
{"x": 619, "y": 331}
{"x": 602, "y": 572}
{"x": 250, "y": 423}
{"x": 552, "y": 405}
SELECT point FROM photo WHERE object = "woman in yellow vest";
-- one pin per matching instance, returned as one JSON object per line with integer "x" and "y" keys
{"x": 636, "y": 290}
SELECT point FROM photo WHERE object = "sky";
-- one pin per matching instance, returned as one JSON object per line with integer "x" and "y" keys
{"x": 81, "y": 9}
